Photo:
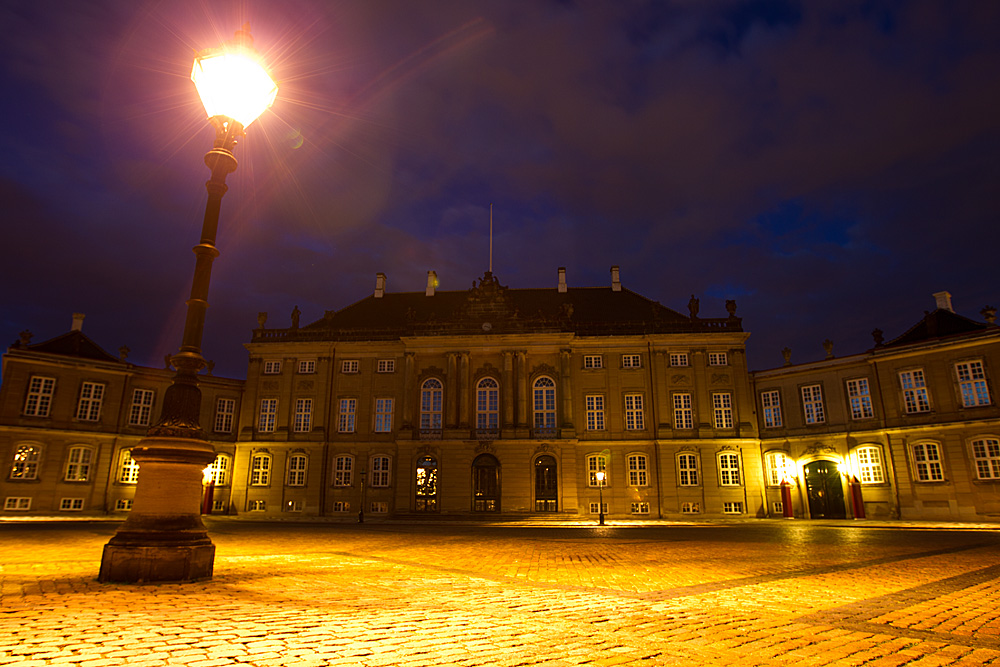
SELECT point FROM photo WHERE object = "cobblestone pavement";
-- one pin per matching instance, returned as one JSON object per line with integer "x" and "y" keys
{"x": 754, "y": 593}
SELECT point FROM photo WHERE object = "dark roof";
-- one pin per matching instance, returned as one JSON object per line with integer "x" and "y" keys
{"x": 493, "y": 308}
{"x": 939, "y": 323}
{"x": 70, "y": 344}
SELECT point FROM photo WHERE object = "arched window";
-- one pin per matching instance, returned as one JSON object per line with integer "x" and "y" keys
{"x": 297, "y": 466}
{"x": 870, "y": 468}
{"x": 381, "y": 467}
{"x": 777, "y": 467}
{"x": 637, "y": 471}
{"x": 687, "y": 469}
{"x": 343, "y": 470}
{"x": 545, "y": 405}
{"x": 78, "y": 464}
{"x": 597, "y": 463}
{"x": 487, "y": 405}
{"x": 25, "y": 464}
{"x": 486, "y": 483}
{"x": 986, "y": 452}
{"x": 220, "y": 469}
{"x": 260, "y": 469}
{"x": 431, "y": 400}
{"x": 128, "y": 471}
{"x": 729, "y": 469}
{"x": 426, "y": 484}
{"x": 546, "y": 484}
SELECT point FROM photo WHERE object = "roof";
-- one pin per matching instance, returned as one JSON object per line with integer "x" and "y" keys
{"x": 937, "y": 324}
{"x": 489, "y": 307}
{"x": 71, "y": 344}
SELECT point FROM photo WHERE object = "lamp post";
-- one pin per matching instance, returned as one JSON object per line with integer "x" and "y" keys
{"x": 164, "y": 538}
{"x": 601, "y": 475}
{"x": 361, "y": 510}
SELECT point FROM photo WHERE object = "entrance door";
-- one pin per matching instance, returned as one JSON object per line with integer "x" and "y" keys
{"x": 824, "y": 490}
{"x": 486, "y": 484}
{"x": 546, "y": 486}
{"x": 426, "y": 485}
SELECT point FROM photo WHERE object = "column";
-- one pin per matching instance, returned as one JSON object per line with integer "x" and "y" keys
{"x": 463, "y": 390}
{"x": 566, "y": 386}
{"x": 452, "y": 391}
{"x": 522, "y": 388}
{"x": 507, "y": 380}
{"x": 408, "y": 389}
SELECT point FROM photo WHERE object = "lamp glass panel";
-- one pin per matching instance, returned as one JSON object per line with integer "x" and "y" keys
{"x": 233, "y": 85}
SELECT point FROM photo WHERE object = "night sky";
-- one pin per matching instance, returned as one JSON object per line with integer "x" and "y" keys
{"x": 828, "y": 165}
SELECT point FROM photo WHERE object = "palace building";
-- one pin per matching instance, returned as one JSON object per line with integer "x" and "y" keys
{"x": 499, "y": 403}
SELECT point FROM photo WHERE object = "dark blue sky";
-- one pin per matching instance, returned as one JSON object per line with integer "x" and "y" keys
{"x": 827, "y": 165}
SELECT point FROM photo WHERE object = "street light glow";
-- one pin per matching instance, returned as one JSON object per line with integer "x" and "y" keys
{"x": 233, "y": 84}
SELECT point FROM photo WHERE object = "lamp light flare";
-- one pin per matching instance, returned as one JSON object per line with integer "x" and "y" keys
{"x": 233, "y": 84}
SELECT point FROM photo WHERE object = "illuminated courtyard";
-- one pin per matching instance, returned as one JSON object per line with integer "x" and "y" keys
{"x": 748, "y": 593}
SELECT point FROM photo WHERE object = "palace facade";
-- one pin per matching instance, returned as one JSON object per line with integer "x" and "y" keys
{"x": 506, "y": 403}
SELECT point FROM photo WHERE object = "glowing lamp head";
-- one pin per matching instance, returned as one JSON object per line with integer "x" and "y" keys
{"x": 233, "y": 83}
{"x": 206, "y": 475}
{"x": 600, "y": 477}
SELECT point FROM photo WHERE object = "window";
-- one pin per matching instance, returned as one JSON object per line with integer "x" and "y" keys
{"x": 40, "y": 390}
{"x": 260, "y": 469}
{"x": 729, "y": 469}
{"x": 431, "y": 396}
{"x": 986, "y": 452}
{"x": 343, "y": 467}
{"x": 812, "y": 404}
{"x": 25, "y": 464}
{"x": 128, "y": 470}
{"x": 776, "y": 468}
{"x": 78, "y": 464}
{"x": 631, "y": 361}
{"x": 679, "y": 359}
{"x": 142, "y": 407}
{"x": 219, "y": 506}
{"x": 297, "y": 464}
{"x": 683, "y": 414}
{"x": 595, "y": 412}
{"x": 123, "y": 504}
{"x": 861, "y": 399}
{"x": 770, "y": 401}
{"x": 718, "y": 359}
{"x": 915, "y": 397}
{"x": 640, "y": 508}
{"x": 777, "y": 507}
{"x": 545, "y": 404}
{"x": 596, "y": 508}
{"x": 927, "y": 462}
{"x": 257, "y": 505}
{"x": 690, "y": 508}
{"x": 386, "y": 366}
{"x": 219, "y": 470}
{"x": 341, "y": 506}
{"x": 295, "y": 505}
{"x": 91, "y": 396}
{"x": 722, "y": 405}
{"x": 17, "y": 503}
{"x": 487, "y": 405}
{"x": 378, "y": 508}
{"x": 303, "y": 415}
{"x": 349, "y": 366}
{"x": 633, "y": 412}
{"x": 383, "y": 415}
{"x": 380, "y": 471}
{"x": 593, "y": 361}
{"x": 687, "y": 470}
{"x": 637, "y": 470}
{"x": 596, "y": 463}
{"x": 71, "y": 504}
{"x": 307, "y": 366}
{"x": 348, "y": 410}
{"x": 225, "y": 408}
{"x": 972, "y": 382}
{"x": 268, "y": 415}
{"x": 732, "y": 508}
{"x": 272, "y": 367}
{"x": 870, "y": 465}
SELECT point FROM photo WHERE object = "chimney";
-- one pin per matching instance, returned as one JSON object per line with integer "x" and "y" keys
{"x": 943, "y": 301}
{"x": 616, "y": 280}
{"x": 379, "y": 285}
{"x": 562, "y": 279}
{"x": 432, "y": 281}
{"x": 77, "y": 322}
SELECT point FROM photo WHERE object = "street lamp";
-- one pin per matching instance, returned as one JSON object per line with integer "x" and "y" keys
{"x": 601, "y": 475}
{"x": 164, "y": 538}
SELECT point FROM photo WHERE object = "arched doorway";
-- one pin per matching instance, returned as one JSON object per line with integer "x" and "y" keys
{"x": 546, "y": 484}
{"x": 426, "y": 485}
{"x": 486, "y": 484}
{"x": 824, "y": 490}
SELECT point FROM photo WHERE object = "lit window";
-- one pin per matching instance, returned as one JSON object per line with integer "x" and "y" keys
{"x": 341, "y": 506}
{"x": 348, "y": 410}
{"x": 219, "y": 470}
{"x": 260, "y": 469}
{"x": 927, "y": 462}
{"x": 343, "y": 467}
{"x": 380, "y": 471}
{"x": 268, "y": 415}
{"x": 128, "y": 470}
{"x": 225, "y": 408}
{"x": 297, "y": 464}
{"x": 257, "y": 505}
{"x": 595, "y": 412}
{"x": 718, "y": 359}
{"x": 142, "y": 407}
{"x": 631, "y": 361}
{"x": 25, "y": 464}
{"x": 690, "y": 508}
{"x": 487, "y": 405}
{"x": 78, "y": 464}
{"x": 295, "y": 505}
{"x": 545, "y": 404}
{"x": 303, "y": 415}
{"x": 637, "y": 470}
{"x": 40, "y": 390}
{"x": 640, "y": 508}
{"x": 732, "y": 508}
{"x": 729, "y": 469}
{"x": 679, "y": 359}
{"x": 383, "y": 415}
{"x": 633, "y": 412}
{"x": 722, "y": 405}
{"x": 91, "y": 397}
{"x": 915, "y": 396}
{"x": 71, "y": 504}
{"x": 349, "y": 366}
{"x": 861, "y": 399}
{"x": 687, "y": 470}
{"x": 593, "y": 361}
{"x": 596, "y": 508}
{"x": 17, "y": 503}
{"x": 812, "y": 404}
{"x": 307, "y": 366}
{"x": 683, "y": 414}
{"x": 597, "y": 463}
{"x": 770, "y": 401}
{"x": 776, "y": 465}
{"x": 986, "y": 452}
{"x": 272, "y": 367}
{"x": 123, "y": 504}
{"x": 972, "y": 382}
{"x": 431, "y": 397}
{"x": 870, "y": 465}
{"x": 386, "y": 366}
{"x": 378, "y": 507}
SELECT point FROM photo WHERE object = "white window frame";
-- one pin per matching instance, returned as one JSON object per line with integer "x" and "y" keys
{"x": 386, "y": 366}
{"x": 860, "y": 397}
{"x": 683, "y": 411}
{"x": 297, "y": 469}
{"x": 679, "y": 360}
{"x": 381, "y": 475}
{"x": 871, "y": 469}
{"x": 640, "y": 507}
{"x": 972, "y": 383}
{"x": 595, "y": 411}
{"x": 688, "y": 469}
{"x": 128, "y": 468}
{"x": 260, "y": 469}
{"x": 383, "y": 415}
{"x": 722, "y": 409}
{"x": 141, "y": 411}
{"x": 730, "y": 472}
{"x": 225, "y": 411}
{"x": 927, "y": 463}
{"x": 690, "y": 508}
{"x": 303, "y": 415}
{"x": 27, "y": 460}
{"x": 307, "y": 366}
{"x": 599, "y": 508}
{"x": 219, "y": 469}
{"x": 813, "y": 410}
{"x": 257, "y": 505}
{"x": 38, "y": 402}
{"x": 593, "y": 361}
{"x": 123, "y": 504}
{"x": 343, "y": 470}
{"x": 718, "y": 358}
{"x": 431, "y": 404}
{"x": 78, "y": 462}
{"x": 350, "y": 366}
{"x": 638, "y": 470}
{"x": 634, "y": 416}
{"x": 916, "y": 396}
{"x": 91, "y": 400}
{"x": 595, "y": 464}
{"x": 732, "y": 507}
{"x": 775, "y": 463}
{"x": 488, "y": 404}
{"x": 272, "y": 367}
{"x": 770, "y": 402}
{"x": 543, "y": 393}
{"x": 347, "y": 415}
{"x": 341, "y": 506}
{"x": 986, "y": 455}
{"x": 70, "y": 504}
{"x": 17, "y": 503}
{"x": 267, "y": 421}
{"x": 631, "y": 361}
